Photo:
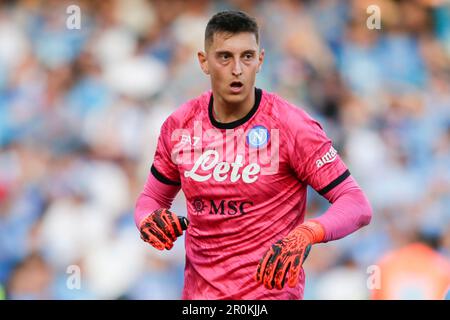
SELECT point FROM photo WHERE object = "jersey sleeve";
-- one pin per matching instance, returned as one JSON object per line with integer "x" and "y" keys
{"x": 164, "y": 168}
{"x": 313, "y": 158}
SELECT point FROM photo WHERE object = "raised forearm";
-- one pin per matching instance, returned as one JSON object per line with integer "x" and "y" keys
{"x": 155, "y": 195}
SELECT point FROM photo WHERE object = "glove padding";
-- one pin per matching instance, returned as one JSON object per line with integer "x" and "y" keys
{"x": 161, "y": 228}
{"x": 288, "y": 255}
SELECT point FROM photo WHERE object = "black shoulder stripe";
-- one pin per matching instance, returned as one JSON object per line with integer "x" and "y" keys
{"x": 335, "y": 182}
{"x": 162, "y": 178}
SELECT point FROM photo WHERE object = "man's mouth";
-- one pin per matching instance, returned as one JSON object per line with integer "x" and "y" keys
{"x": 236, "y": 86}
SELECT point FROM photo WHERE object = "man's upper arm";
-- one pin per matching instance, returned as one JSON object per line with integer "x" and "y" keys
{"x": 314, "y": 159}
{"x": 164, "y": 169}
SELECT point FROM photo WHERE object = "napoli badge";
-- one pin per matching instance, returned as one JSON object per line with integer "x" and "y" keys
{"x": 258, "y": 136}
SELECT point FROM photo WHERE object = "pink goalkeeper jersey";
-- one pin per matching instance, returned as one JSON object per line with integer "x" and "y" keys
{"x": 245, "y": 186}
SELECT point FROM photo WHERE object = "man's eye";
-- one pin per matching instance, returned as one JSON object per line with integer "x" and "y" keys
{"x": 248, "y": 56}
{"x": 224, "y": 56}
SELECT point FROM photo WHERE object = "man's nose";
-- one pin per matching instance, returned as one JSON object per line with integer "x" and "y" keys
{"x": 237, "y": 68}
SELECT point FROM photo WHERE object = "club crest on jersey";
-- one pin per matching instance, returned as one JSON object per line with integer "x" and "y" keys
{"x": 258, "y": 136}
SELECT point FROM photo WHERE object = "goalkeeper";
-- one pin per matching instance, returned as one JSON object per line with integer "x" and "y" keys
{"x": 244, "y": 158}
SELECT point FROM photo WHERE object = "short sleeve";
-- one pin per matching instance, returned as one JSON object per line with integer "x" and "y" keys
{"x": 164, "y": 167}
{"x": 313, "y": 158}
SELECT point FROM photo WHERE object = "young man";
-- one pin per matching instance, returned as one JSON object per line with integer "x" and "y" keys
{"x": 243, "y": 158}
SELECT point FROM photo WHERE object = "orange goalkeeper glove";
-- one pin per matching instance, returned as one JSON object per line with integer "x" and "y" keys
{"x": 287, "y": 255}
{"x": 161, "y": 228}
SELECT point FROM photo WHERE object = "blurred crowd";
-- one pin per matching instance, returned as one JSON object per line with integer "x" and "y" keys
{"x": 81, "y": 109}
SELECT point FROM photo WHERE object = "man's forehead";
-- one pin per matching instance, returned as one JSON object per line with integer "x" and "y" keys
{"x": 225, "y": 41}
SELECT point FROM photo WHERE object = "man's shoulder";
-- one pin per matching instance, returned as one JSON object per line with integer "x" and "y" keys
{"x": 188, "y": 110}
{"x": 288, "y": 113}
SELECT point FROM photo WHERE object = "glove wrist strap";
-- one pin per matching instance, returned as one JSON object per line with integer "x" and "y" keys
{"x": 314, "y": 229}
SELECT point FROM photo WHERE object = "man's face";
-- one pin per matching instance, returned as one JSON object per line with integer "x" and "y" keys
{"x": 232, "y": 61}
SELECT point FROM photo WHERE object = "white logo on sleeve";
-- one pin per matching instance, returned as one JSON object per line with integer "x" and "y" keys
{"x": 328, "y": 157}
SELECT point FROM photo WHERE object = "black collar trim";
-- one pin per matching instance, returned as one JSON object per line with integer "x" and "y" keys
{"x": 236, "y": 123}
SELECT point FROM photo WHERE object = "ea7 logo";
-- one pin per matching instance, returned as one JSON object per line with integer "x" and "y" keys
{"x": 328, "y": 157}
{"x": 187, "y": 139}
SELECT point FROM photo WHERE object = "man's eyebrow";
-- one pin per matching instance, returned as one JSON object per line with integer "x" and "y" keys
{"x": 230, "y": 53}
{"x": 222, "y": 52}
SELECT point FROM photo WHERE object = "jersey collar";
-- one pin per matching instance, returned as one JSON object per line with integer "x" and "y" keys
{"x": 236, "y": 123}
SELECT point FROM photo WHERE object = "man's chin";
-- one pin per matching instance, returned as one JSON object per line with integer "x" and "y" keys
{"x": 233, "y": 98}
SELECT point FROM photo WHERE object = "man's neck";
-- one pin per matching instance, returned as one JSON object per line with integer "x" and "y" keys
{"x": 225, "y": 112}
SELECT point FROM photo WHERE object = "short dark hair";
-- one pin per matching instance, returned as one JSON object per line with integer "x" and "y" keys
{"x": 232, "y": 22}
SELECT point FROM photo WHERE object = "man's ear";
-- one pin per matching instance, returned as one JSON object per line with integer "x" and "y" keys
{"x": 203, "y": 61}
{"x": 261, "y": 60}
